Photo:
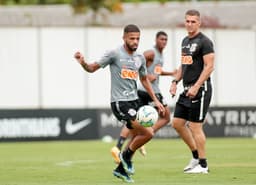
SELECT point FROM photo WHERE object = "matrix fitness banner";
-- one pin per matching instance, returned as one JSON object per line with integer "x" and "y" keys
{"x": 231, "y": 122}
{"x": 220, "y": 122}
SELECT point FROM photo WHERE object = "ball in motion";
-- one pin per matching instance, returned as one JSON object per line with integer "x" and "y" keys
{"x": 147, "y": 116}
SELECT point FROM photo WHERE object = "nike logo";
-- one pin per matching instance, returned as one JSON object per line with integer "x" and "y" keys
{"x": 72, "y": 128}
{"x": 194, "y": 101}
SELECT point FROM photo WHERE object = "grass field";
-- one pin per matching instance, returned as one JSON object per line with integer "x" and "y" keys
{"x": 231, "y": 161}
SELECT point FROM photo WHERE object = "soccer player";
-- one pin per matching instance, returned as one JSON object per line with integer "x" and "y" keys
{"x": 126, "y": 65}
{"x": 197, "y": 64}
{"x": 154, "y": 63}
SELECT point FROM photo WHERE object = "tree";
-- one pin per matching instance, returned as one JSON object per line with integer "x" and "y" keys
{"x": 82, "y": 6}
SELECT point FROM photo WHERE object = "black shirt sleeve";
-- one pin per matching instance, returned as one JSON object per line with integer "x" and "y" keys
{"x": 207, "y": 46}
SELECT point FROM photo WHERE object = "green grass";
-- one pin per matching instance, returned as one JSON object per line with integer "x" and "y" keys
{"x": 231, "y": 161}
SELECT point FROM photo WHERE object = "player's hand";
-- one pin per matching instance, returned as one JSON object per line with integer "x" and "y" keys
{"x": 173, "y": 89}
{"x": 79, "y": 57}
{"x": 160, "y": 108}
{"x": 192, "y": 91}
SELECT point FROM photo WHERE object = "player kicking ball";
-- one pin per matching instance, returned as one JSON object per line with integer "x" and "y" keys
{"x": 126, "y": 65}
{"x": 154, "y": 62}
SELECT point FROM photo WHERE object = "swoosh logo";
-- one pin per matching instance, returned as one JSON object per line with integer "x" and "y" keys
{"x": 194, "y": 101}
{"x": 72, "y": 128}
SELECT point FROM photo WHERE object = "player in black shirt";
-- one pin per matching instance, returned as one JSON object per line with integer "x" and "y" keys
{"x": 197, "y": 63}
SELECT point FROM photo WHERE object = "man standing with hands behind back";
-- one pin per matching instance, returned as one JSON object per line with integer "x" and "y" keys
{"x": 197, "y": 64}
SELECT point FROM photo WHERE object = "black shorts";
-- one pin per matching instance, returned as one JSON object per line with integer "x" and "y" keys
{"x": 125, "y": 111}
{"x": 194, "y": 109}
{"x": 145, "y": 99}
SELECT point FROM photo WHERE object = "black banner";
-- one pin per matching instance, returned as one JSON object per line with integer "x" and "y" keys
{"x": 49, "y": 124}
{"x": 108, "y": 124}
{"x": 74, "y": 124}
{"x": 231, "y": 122}
{"x": 220, "y": 122}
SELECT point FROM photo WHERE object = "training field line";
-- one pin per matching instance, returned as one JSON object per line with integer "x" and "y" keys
{"x": 74, "y": 162}
{"x": 234, "y": 165}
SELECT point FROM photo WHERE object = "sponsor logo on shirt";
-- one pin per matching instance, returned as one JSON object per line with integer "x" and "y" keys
{"x": 187, "y": 60}
{"x": 129, "y": 74}
{"x": 158, "y": 69}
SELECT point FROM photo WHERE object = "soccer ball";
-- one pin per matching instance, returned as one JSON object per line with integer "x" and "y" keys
{"x": 147, "y": 116}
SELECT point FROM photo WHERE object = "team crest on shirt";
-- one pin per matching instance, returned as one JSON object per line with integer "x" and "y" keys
{"x": 122, "y": 60}
{"x": 132, "y": 112}
{"x": 137, "y": 62}
{"x": 193, "y": 47}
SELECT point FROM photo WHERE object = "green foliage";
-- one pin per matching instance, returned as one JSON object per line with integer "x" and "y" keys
{"x": 33, "y": 2}
{"x": 94, "y": 4}
{"x": 137, "y": 1}
{"x": 82, "y": 6}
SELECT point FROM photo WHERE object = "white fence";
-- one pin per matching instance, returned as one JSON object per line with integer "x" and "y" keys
{"x": 37, "y": 68}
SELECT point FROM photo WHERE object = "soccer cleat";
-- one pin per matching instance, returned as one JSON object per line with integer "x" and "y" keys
{"x": 123, "y": 176}
{"x": 198, "y": 169}
{"x": 128, "y": 167}
{"x": 115, "y": 154}
{"x": 192, "y": 164}
{"x": 143, "y": 151}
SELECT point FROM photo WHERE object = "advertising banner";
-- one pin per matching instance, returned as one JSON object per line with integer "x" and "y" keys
{"x": 79, "y": 124}
{"x": 220, "y": 122}
{"x": 48, "y": 124}
{"x": 231, "y": 122}
{"x": 108, "y": 125}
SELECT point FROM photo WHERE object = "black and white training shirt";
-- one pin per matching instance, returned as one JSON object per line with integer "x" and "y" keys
{"x": 193, "y": 50}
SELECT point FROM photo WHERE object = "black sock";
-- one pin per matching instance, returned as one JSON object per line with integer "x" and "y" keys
{"x": 195, "y": 154}
{"x": 120, "y": 168}
{"x": 203, "y": 163}
{"x": 120, "y": 142}
{"x": 127, "y": 154}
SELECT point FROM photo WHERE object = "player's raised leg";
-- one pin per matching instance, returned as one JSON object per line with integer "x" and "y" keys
{"x": 140, "y": 136}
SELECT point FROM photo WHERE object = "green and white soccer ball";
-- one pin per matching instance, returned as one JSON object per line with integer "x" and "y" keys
{"x": 147, "y": 116}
